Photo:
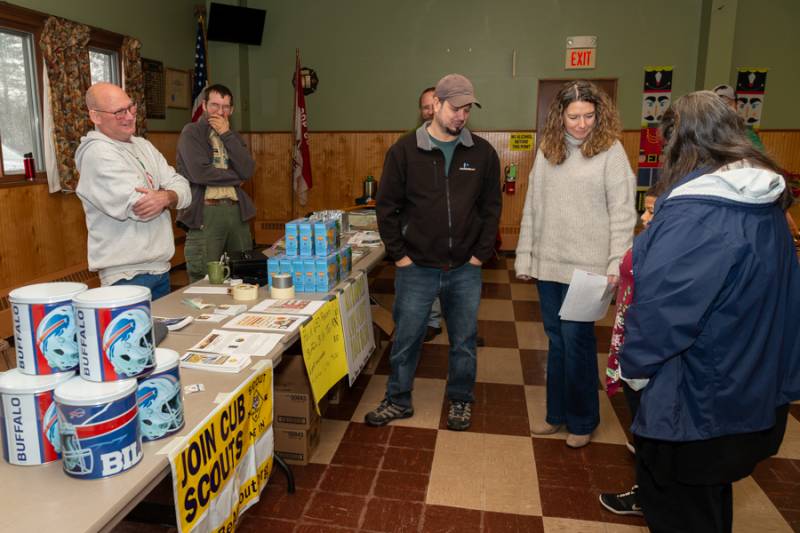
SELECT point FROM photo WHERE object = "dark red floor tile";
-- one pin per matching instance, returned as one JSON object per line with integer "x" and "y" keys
{"x": 381, "y": 286}
{"x": 569, "y": 502}
{"x": 603, "y": 334}
{"x": 534, "y": 367}
{"x": 440, "y": 519}
{"x": 417, "y": 438}
{"x": 364, "y": 434}
{"x": 401, "y": 485}
{"x": 320, "y": 528}
{"x": 507, "y": 425}
{"x": 356, "y": 454}
{"x": 526, "y": 311}
{"x": 331, "y": 509}
{"x": 408, "y": 460}
{"x": 623, "y": 413}
{"x": 501, "y": 398}
{"x": 497, "y": 263}
{"x": 251, "y": 523}
{"x": 498, "y": 334}
{"x": 305, "y": 477}
{"x": 501, "y": 291}
{"x": 795, "y": 410}
{"x": 780, "y": 480}
{"x": 511, "y": 523}
{"x": 392, "y": 516}
{"x": 348, "y": 479}
{"x": 275, "y": 502}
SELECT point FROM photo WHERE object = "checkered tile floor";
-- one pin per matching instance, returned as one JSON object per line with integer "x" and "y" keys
{"x": 416, "y": 476}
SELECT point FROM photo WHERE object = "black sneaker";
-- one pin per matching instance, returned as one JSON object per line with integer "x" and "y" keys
{"x": 624, "y": 503}
{"x": 459, "y": 415}
{"x": 386, "y": 412}
{"x": 431, "y": 333}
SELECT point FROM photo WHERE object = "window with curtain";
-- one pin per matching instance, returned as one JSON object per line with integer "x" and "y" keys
{"x": 19, "y": 103}
{"x": 104, "y": 65}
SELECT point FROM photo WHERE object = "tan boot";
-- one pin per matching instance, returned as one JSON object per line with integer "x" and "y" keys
{"x": 578, "y": 441}
{"x": 543, "y": 428}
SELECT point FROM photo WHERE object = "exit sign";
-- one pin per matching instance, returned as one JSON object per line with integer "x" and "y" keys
{"x": 581, "y": 52}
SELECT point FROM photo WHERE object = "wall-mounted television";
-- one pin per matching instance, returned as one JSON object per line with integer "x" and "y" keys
{"x": 234, "y": 24}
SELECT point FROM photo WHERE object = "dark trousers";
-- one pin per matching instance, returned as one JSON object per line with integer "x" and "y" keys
{"x": 687, "y": 486}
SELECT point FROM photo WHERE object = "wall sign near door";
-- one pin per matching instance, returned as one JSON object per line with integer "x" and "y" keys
{"x": 581, "y": 52}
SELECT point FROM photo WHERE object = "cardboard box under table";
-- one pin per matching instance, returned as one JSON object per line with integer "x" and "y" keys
{"x": 296, "y": 420}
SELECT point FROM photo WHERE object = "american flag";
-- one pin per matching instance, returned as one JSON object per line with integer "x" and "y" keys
{"x": 200, "y": 71}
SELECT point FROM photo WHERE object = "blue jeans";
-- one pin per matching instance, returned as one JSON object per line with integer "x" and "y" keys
{"x": 435, "y": 318}
{"x": 459, "y": 291}
{"x": 571, "y": 365}
{"x": 157, "y": 283}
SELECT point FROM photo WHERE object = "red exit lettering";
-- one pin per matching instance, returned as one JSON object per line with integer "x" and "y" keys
{"x": 581, "y": 58}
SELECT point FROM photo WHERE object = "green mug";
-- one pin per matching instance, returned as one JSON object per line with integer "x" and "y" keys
{"x": 218, "y": 272}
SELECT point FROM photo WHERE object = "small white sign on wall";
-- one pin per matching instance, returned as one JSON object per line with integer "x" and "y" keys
{"x": 581, "y": 52}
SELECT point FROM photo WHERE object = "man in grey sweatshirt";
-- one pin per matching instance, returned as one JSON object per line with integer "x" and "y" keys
{"x": 127, "y": 189}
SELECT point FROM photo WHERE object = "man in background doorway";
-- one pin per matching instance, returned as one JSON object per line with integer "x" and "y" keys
{"x": 438, "y": 210}
{"x": 216, "y": 161}
{"x": 126, "y": 188}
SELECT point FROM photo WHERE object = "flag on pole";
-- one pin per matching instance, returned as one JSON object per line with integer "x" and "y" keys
{"x": 301, "y": 159}
{"x": 200, "y": 70}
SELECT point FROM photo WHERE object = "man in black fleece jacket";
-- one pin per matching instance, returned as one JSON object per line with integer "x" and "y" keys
{"x": 438, "y": 210}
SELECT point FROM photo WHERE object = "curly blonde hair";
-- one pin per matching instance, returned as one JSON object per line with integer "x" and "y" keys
{"x": 607, "y": 127}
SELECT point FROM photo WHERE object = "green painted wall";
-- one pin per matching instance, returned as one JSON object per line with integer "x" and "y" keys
{"x": 765, "y": 34}
{"x": 166, "y": 29}
{"x": 374, "y": 56}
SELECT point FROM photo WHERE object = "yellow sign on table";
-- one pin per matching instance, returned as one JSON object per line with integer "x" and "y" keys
{"x": 520, "y": 142}
{"x": 221, "y": 468}
{"x": 323, "y": 349}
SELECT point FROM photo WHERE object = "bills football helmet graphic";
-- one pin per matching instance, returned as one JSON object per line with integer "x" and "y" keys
{"x": 57, "y": 338}
{"x": 160, "y": 406}
{"x": 50, "y": 428}
{"x": 128, "y": 343}
{"x": 106, "y": 429}
{"x": 77, "y": 460}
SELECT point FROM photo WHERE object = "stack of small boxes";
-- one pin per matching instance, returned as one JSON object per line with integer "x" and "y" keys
{"x": 313, "y": 255}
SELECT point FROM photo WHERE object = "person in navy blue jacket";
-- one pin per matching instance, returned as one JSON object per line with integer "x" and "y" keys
{"x": 714, "y": 319}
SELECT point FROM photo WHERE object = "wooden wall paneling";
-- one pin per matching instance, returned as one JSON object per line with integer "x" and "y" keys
{"x": 73, "y": 229}
{"x": 272, "y": 184}
{"x": 371, "y": 149}
{"x": 784, "y": 146}
{"x": 167, "y": 144}
{"x": 333, "y": 163}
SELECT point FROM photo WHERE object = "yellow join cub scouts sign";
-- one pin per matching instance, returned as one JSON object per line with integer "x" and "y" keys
{"x": 221, "y": 468}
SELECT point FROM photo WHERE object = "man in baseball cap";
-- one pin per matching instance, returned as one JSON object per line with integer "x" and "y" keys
{"x": 457, "y": 90}
{"x": 438, "y": 210}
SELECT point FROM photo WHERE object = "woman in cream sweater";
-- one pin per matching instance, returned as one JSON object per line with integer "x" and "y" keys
{"x": 579, "y": 213}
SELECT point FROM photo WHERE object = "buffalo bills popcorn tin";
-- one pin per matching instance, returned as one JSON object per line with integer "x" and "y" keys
{"x": 159, "y": 397}
{"x": 28, "y": 417}
{"x": 98, "y": 426}
{"x": 115, "y": 333}
{"x": 45, "y": 330}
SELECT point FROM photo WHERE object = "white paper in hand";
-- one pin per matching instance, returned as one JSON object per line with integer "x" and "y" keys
{"x": 587, "y": 298}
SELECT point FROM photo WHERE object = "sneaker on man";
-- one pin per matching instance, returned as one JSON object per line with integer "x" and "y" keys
{"x": 386, "y": 412}
{"x": 459, "y": 415}
{"x": 624, "y": 503}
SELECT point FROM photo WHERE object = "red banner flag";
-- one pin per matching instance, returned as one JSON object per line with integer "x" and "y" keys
{"x": 301, "y": 159}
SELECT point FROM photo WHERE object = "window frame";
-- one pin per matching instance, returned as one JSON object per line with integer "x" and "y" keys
{"x": 26, "y": 20}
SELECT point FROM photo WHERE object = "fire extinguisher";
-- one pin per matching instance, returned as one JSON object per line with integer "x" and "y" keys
{"x": 510, "y": 182}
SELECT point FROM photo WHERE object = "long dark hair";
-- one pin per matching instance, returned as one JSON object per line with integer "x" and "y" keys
{"x": 701, "y": 130}
{"x": 607, "y": 127}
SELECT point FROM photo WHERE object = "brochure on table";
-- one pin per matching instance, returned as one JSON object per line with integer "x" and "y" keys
{"x": 266, "y": 322}
{"x": 237, "y": 343}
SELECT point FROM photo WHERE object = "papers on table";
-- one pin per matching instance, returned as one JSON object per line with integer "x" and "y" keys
{"x": 587, "y": 298}
{"x": 205, "y": 289}
{"x": 365, "y": 238}
{"x": 215, "y": 362}
{"x": 262, "y": 322}
{"x": 174, "y": 323}
{"x": 290, "y": 307}
{"x": 211, "y": 317}
{"x": 237, "y": 343}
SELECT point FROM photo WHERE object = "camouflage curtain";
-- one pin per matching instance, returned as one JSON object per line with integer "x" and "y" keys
{"x": 64, "y": 46}
{"x": 134, "y": 80}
